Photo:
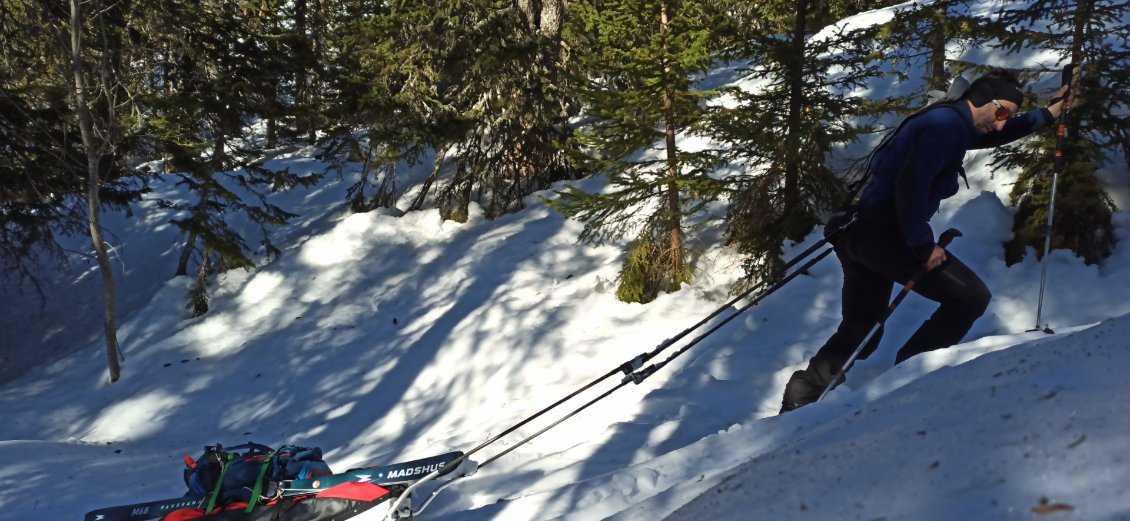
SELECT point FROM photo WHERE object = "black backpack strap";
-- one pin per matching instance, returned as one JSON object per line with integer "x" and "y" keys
{"x": 251, "y": 447}
{"x": 857, "y": 186}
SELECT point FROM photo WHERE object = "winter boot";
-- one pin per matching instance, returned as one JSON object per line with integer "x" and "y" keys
{"x": 800, "y": 391}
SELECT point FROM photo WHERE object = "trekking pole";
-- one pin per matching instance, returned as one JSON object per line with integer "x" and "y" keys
{"x": 632, "y": 365}
{"x": 640, "y": 375}
{"x": 1061, "y": 131}
{"x": 633, "y": 374}
{"x": 943, "y": 241}
{"x": 402, "y": 510}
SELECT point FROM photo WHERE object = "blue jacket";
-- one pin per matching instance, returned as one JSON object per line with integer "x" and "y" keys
{"x": 919, "y": 166}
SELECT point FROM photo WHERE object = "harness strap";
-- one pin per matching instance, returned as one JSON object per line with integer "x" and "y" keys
{"x": 219, "y": 483}
{"x": 258, "y": 489}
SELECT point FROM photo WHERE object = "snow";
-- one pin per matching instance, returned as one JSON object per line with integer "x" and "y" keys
{"x": 384, "y": 338}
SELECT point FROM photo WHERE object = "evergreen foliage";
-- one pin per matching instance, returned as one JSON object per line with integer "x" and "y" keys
{"x": 1082, "y": 206}
{"x": 783, "y": 131}
{"x": 352, "y": 63}
{"x": 42, "y": 161}
{"x": 921, "y": 36}
{"x": 1093, "y": 33}
{"x": 482, "y": 83}
{"x": 218, "y": 69}
{"x": 506, "y": 97}
{"x": 643, "y": 61}
{"x": 647, "y": 268}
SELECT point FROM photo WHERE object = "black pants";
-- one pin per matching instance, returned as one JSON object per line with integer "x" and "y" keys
{"x": 874, "y": 257}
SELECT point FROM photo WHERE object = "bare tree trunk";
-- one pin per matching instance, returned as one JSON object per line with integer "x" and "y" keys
{"x": 418, "y": 203}
{"x": 552, "y": 12}
{"x": 186, "y": 253}
{"x": 543, "y": 18}
{"x": 793, "y": 223}
{"x": 301, "y": 89}
{"x": 937, "y": 39}
{"x": 674, "y": 210}
{"x": 272, "y": 138}
{"x": 1083, "y": 12}
{"x": 86, "y": 126}
{"x": 317, "y": 22}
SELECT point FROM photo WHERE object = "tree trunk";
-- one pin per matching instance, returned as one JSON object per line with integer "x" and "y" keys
{"x": 674, "y": 208}
{"x": 543, "y": 16}
{"x": 1083, "y": 13}
{"x": 316, "y": 26}
{"x": 937, "y": 39}
{"x": 301, "y": 75}
{"x": 219, "y": 157}
{"x": 552, "y": 12}
{"x": 272, "y": 138}
{"x": 86, "y": 127}
{"x": 189, "y": 246}
{"x": 549, "y": 28}
{"x": 418, "y": 203}
{"x": 793, "y": 221}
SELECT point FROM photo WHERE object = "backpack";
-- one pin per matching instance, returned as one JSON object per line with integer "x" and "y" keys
{"x": 246, "y": 472}
{"x": 956, "y": 90}
{"x": 934, "y": 99}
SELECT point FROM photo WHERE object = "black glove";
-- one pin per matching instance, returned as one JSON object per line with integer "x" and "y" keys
{"x": 923, "y": 252}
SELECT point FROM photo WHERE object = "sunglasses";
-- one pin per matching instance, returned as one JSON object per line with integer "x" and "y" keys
{"x": 1001, "y": 113}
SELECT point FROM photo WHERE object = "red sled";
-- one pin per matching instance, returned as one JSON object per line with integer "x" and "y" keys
{"x": 335, "y": 503}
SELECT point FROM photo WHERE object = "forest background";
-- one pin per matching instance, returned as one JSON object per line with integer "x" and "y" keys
{"x": 501, "y": 99}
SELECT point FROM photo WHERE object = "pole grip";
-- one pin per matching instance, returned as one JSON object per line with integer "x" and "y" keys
{"x": 1068, "y": 77}
{"x": 948, "y": 236}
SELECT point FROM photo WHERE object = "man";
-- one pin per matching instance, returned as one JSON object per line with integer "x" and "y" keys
{"x": 891, "y": 239}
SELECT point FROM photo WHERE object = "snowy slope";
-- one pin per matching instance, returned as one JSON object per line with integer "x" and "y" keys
{"x": 384, "y": 338}
{"x": 1036, "y": 429}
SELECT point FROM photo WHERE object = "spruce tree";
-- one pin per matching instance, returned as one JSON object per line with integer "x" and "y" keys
{"x": 642, "y": 97}
{"x": 917, "y": 42}
{"x": 478, "y": 82}
{"x": 41, "y": 161}
{"x": 1092, "y": 33}
{"x": 397, "y": 55}
{"x": 783, "y": 131}
{"x": 217, "y": 75}
{"x": 43, "y": 166}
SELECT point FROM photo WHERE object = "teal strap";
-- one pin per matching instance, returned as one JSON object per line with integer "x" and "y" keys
{"x": 219, "y": 483}
{"x": 259, "y": 483}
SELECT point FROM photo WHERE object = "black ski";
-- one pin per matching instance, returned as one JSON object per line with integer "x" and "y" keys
{"x": 396, "y": 473}
{"x": 148, "y": 510}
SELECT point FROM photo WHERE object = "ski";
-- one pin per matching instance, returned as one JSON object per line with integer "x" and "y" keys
{"x": 147, "y": 510}
{"x": 395, "y": 473}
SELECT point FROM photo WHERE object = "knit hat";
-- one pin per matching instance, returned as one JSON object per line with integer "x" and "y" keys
{"x": 996, "y": 85}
